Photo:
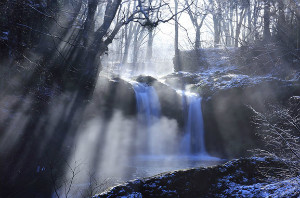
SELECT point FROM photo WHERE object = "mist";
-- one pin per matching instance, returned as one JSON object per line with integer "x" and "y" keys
{"x": 94, "y": 94}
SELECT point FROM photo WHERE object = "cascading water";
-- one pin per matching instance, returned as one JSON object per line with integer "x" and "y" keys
{"x": 148, "y": 105}
{"x": 148, "y": 108}
{"x": 193, "y": 140}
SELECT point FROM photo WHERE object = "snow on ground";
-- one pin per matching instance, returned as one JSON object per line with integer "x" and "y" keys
{"x": 221, "y": 74}
{"x": 218, "y": 56}
{"x": 286, "y": 188}
{"x": 4, "y": 35}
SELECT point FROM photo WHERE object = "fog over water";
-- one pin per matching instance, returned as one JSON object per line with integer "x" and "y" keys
{"x": 96, "y": 93}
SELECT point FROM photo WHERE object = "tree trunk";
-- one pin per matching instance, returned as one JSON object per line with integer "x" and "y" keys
{"x": 197, "y": 39}
{"x": 128, "y": 37}
{"x": 217, "y": 25}
{"x": 266, "y": 33}
{"x": 176, "y": 62}
{"x": 89, "y": 24}
{"x": 231, "y": 25}
{"x": 238, "y": 27}
{"x": 281, "y": 26}
{"x": 249, "y": 39}
{"x": 216, "y": 30}
{"x": 135, "y": 46}
{"x": 255, "y": 17}
{"x": 149, "y": 45}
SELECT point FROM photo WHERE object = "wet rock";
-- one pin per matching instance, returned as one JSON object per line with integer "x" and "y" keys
{"x": 149, "y": 80}
{"x": 170, "y": 100}
{"x": 114, "y": 93}
{"x": 218, "y": 181}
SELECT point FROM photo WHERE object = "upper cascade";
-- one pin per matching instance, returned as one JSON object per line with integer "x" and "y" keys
{"x": 148, "y": 109}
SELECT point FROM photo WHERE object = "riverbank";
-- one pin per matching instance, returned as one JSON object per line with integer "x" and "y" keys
{"x": 245, "y": 177}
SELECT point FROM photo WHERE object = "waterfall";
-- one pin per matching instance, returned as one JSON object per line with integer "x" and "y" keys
{"x": 148, "y": 105}
{"x": 148, "y": 109}
{"x": 151, "y": 138}
{"x": 193, "y": 141}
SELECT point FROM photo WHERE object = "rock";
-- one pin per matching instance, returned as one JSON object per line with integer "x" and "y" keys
{"x": 170, "y": 100}
{"x": 294, "y": 100}
{"x": 227, "y": 115}
{"x": 227, "y": 95}
{"x": 114, "y": 93}
{"x": 178, "y": 80}
{"x": 149, "y": 80}
{"x": 217, "y": 181}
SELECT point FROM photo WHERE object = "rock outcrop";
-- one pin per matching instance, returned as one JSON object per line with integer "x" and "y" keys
{"x": 114, "y": 93}
{"x": 237, "y": 178}
{"x": 228, "y": 91}
{"x": 170, "y": 100}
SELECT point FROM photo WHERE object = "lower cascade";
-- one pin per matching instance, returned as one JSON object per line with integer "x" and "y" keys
{"x": 194, "y": 140}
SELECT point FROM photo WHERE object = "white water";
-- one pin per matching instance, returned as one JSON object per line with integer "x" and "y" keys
{"x": 148, "y": 108}
{"x": 150, "y": 146}
{"x": 148, "y": 105}
{"x": 194, "y": 140}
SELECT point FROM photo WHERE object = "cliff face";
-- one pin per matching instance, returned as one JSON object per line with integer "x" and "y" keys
{"x": 237, "y": 178}
{"x": 114, "y": 93}
{"x": 228, "y": 112}
{"x": 227, "y": 96}
{"x": 228, "y": 90}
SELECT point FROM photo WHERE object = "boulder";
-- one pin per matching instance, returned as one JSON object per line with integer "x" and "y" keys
{"x": 149, "y": 80}
{"x": 113, "y": 93}
{"x": 170, "y": 100}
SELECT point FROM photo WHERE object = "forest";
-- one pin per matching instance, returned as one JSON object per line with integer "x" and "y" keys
{"x": 149, "y": 98}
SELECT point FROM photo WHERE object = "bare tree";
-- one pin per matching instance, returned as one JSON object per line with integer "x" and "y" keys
{"x": 216, "y": 12}
{"x": 239, "y": 21}
{"x": 280, "y": 129}
{"x": 197, "y": 12}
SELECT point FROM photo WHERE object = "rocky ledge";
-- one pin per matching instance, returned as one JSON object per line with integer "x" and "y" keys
{"x": 237, "y": 178}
